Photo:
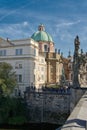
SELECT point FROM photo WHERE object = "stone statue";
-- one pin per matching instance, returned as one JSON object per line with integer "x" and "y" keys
{"x": 83, "y": 72}
{"x": 76, "y": 63}
{"x": 79, "y": 68}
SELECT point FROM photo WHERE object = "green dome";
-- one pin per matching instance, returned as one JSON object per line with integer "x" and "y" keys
{"x": 41, "y": 35}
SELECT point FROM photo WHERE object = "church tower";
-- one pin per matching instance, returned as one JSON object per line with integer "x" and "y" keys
{"x": 44, "y": 39}
{"x": 53, "y": 59}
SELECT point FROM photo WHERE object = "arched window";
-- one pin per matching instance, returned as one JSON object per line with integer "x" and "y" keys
{"x": 45, "y": 48}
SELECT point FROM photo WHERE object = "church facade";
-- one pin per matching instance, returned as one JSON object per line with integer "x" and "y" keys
{"x": 52, "y": 57}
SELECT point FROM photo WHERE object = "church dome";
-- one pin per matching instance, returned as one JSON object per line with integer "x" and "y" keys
{"x": 41, "y": 35}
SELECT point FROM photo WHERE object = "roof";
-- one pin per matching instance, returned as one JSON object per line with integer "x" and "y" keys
{"x": 42, "y": 35}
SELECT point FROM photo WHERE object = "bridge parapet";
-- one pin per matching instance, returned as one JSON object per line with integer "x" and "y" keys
{"x": 78, "y": 118}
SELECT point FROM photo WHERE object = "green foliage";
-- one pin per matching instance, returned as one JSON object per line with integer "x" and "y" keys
{"x": 53, "y": 86}
{"x": 7, "y": 78}
{"x": 12, "y": 111}
{"x": 17, "y": 120}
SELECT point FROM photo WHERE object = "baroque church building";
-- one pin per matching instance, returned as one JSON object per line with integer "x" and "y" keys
{"x": 35, "y": 60}
{"x": 52, "y": 57}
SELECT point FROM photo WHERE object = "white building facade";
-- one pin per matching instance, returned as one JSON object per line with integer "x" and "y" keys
{"x": 23, "y": 55}
{"x": 35, "y": 60}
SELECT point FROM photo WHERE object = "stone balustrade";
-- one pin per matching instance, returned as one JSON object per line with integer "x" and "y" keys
{"x": 78, "y": 117}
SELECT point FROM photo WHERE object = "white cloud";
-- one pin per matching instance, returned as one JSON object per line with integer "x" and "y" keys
{"x": 8, "y": 12}
{"x": 66, "y": 24}
{"x": 25, "y": 23}
{"x": 16, "y": 31}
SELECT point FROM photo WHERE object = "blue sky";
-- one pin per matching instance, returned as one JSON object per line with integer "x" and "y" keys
{"x": 63, "y": 20}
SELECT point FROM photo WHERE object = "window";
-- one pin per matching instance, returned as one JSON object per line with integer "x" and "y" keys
{"x": 18, "y": 65}
{"x": 45, "y": 48}
{"x": 19, "y": 51}
{"x": 19, "y": 78}
{"x": 2, "y": 52}
{"x": 42, "y": 60}
{"x": 42, "y": 77}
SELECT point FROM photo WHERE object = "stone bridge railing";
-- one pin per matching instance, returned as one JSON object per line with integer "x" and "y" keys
{"x": 78, "y": 117}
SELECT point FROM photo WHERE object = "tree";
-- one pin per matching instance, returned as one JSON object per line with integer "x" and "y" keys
{"x": 13, "y": 111}
{"x": 7, "y": 78}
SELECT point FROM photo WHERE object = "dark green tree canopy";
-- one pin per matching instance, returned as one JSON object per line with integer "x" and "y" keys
{"x": 7, "y": 78}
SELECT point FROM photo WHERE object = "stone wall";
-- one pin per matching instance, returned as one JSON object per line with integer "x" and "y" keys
{"x": 78, "y": 117}
{"x": 76, "y": 94}
{"x": 49, "y": 107}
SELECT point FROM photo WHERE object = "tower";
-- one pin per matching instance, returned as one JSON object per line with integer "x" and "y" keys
{"x": 44, "y": 39}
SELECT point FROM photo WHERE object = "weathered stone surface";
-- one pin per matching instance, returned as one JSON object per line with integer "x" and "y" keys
{"x": 79, "y": 67}
{"x": 48, "y": 107}
{"x": 78, "y": 118}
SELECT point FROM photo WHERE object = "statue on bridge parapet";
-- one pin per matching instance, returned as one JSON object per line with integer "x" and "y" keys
{"x": 79, "y": 66}
{"x": 83, "y": 72}
{"x": 76, "y": 63}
